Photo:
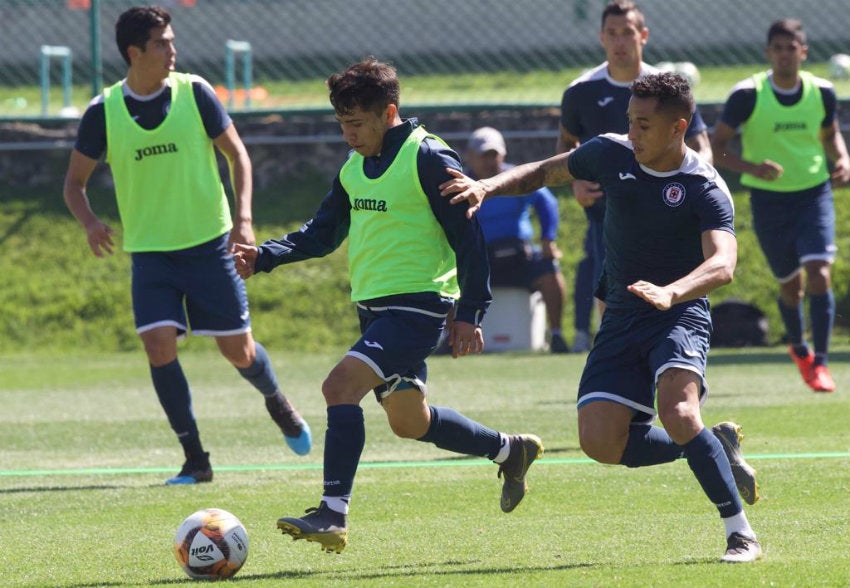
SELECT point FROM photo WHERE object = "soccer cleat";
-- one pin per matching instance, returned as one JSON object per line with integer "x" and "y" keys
{"x": 194, "y": 471}
{"x": 296, "y": 431}
{"x": 804, "y": 364}
{"x": 581, "y": 342}
{"x": 524, "y": 449}
{"x": 558, "y": 345}
{"x": 821, "y": 380}
{"x": 322, "y": 525}
{"x": 740, "y": 549}
{"x": 730, "y": 437}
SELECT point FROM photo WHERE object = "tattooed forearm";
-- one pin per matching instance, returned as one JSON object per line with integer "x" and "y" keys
{"x": 529, "y": 177}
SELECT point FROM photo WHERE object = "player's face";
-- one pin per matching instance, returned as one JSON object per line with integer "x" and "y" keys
{"x": 364, "y": 130}
{"x": 484, "y": 165}
{"x": 657, "y": 138}
{"x": 623, "y": 40}
{"x": 786, "y": 55}
{"x": 159, "y": 55}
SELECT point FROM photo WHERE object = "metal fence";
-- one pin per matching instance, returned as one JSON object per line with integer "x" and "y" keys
{"x": 260, "y": 42}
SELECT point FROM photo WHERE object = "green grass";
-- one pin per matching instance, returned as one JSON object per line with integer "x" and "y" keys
{"x": 84, "y": 449}
{"x": 487, "y": 88}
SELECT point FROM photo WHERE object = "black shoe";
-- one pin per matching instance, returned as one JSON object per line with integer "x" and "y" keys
{"x": 730, "y": 437}
{"x": 194, "y": 471}
{"x": 558, "y": 345}
{"x": 524, "y": 450}
{"x": 323, "y": 525}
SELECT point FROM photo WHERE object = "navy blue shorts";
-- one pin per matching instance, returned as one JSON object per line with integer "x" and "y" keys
{"x": 199, "y": 283}
{"x": 517, "y": 263}
{"x": 394, "y": 342}
{"x": 633, "y": 348}
{"x": 794, "y": 227}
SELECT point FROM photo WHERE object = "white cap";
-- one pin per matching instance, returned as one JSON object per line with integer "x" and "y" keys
{"x": 487, "y": 139}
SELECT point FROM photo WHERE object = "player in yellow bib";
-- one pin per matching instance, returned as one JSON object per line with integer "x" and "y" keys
{"x": 413, "y": 260}
{"x": 158, "y": 130}
{"x": 789, "y": 129}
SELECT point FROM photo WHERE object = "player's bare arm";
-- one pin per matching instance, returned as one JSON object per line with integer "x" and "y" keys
{"x": 725, "y": 158}
{"x": 836, "y": 151}
{"x": 98, "y": 233}
{"x": 720, "y": 249}
{"x": 521, "y": 179}
{"x": 239, "y": 163}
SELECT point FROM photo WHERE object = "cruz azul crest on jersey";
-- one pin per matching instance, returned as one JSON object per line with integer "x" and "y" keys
{"x": 673, "y": 194}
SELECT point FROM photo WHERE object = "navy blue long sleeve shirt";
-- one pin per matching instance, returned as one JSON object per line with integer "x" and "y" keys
{"x": 329, "y": 227}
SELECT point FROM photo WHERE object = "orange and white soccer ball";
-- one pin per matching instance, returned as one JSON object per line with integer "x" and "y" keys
{"x": 211, "y": 544}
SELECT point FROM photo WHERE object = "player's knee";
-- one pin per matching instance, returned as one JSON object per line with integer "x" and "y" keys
{"x": 407, "y": 428}
{"x": 599, "y": 447}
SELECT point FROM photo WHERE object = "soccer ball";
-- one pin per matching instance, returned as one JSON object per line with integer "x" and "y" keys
{"x": 689, "y": 71}
{"x": 839, "y": 66}
{"x": 211, "y": 544}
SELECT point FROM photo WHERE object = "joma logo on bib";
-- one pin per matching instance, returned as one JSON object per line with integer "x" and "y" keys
{"x": 370, "y": 204}
{"x": 155, "y": 150}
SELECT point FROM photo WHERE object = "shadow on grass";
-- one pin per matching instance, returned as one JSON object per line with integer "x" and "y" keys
{"x": 414, "y": 570}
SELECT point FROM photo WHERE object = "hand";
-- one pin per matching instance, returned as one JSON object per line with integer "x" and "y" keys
{"x": 769, "y": 170}
{"x": 587, "y": 192}
{"x": 465, "y": 338}
{"x": 464, "y": 188}
{"x": 549, "y": 249}
{"x": 657, "y": 296}
{"x": 100, "y": 238}
{"x": 841, "y": 172}
{"x": 245, "y": 257}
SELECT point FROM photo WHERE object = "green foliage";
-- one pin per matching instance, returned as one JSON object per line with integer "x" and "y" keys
{"x": 84, "y": 449}
{"x": 57, "y": 295}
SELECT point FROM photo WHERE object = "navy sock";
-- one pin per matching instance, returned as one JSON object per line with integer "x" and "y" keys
{"x": 792, "y": 318}
{"x": 452, "y": 431}
{"x": 583, "y": 295}
{"x": 822, "y": 315}
{"x": 174, "y": 395}
{"x": 648, "y": 445}
{"x": 344, "y": 441}
{"x": 261, "y": 373}
{"x": 711, "y": 467}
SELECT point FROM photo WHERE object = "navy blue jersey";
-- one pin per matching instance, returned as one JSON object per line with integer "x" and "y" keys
{"x": 595, "y": 104}
{"x": 654, "y": 221}
{"x": 742, "y": 100}
{"x": 149, "y": 112}
{"x": 329, "y": 226}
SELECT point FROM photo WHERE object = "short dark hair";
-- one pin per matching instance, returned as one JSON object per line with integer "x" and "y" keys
{"x": 787, "y": 27}
{"x": 672, "y": 91}
{"x": 370, "y": 85}
{"x": 622, "y": 8}
{"x": 133, "y": 28}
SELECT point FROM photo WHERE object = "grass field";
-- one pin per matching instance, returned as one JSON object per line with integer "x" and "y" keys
{"x": 536, "y": 87}
{"x": 84, "y": 449}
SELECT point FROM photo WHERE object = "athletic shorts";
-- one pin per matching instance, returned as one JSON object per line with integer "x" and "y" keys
{"x": 517, "y": 263}
{"x": 633, "y": 348}
{"x": 394, "y": 342}
{"x": 794, "y": 227}
{"x": 195, "y": 288}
